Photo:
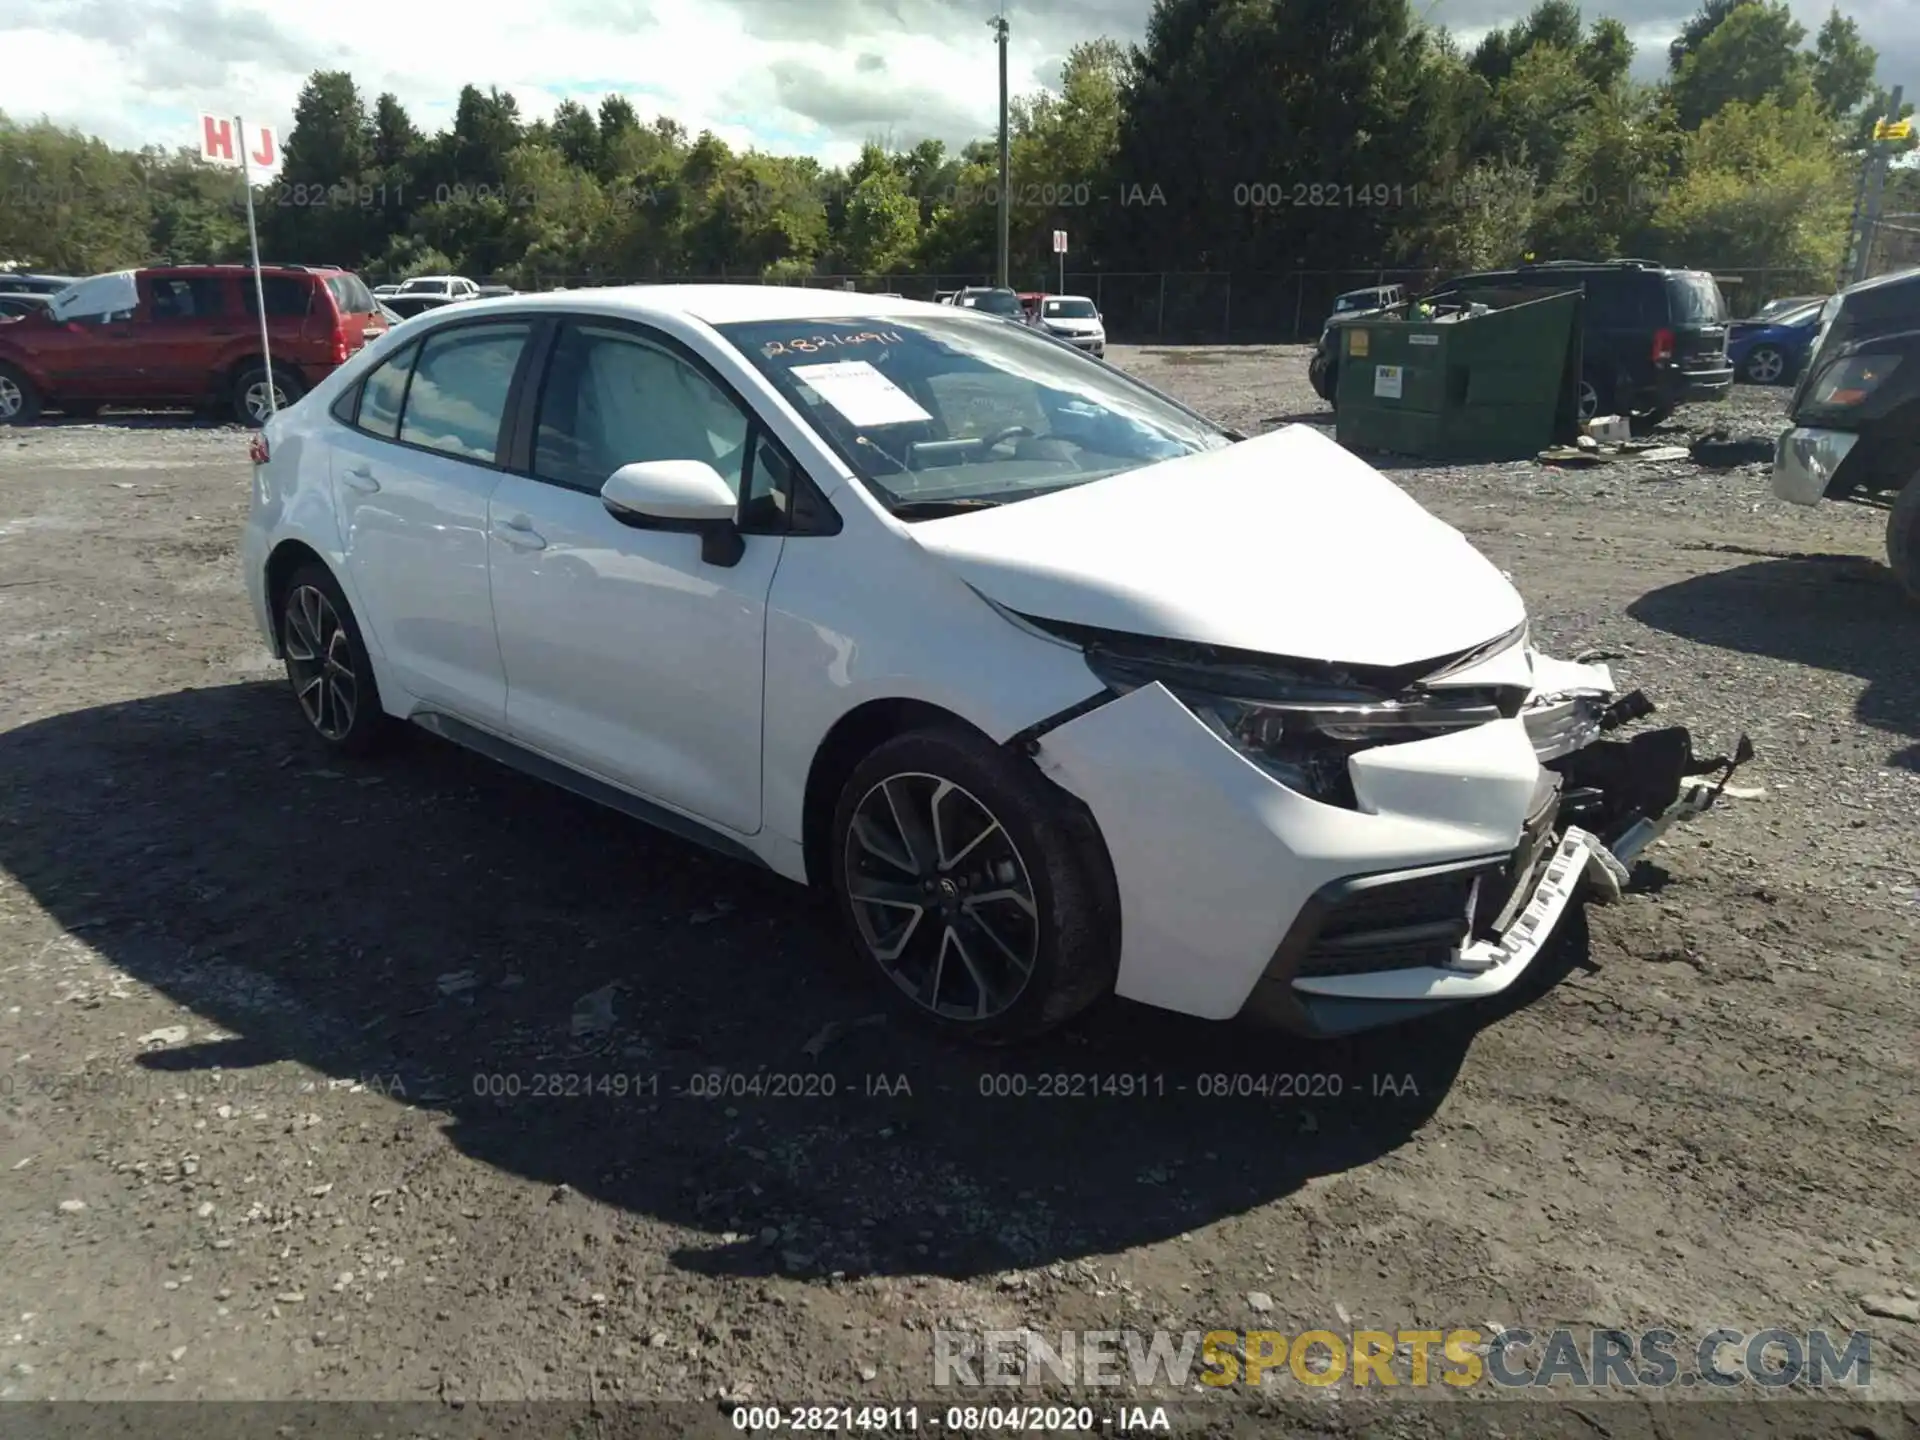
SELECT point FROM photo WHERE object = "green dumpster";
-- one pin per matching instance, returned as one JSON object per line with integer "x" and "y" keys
{"x": 1502, "y": 384}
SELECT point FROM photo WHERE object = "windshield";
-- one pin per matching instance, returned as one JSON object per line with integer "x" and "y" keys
{"x": 1696, "y": 299}
{"x": 424, "y": 287}
{"x": 994, "y": 302}
{"x": 1069, "y": 310}
{"x": 965, "y": 408}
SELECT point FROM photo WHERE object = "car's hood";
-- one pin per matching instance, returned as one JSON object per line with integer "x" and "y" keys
{"x": 1285, "y": 544}
{"x": 1072, "y": 326}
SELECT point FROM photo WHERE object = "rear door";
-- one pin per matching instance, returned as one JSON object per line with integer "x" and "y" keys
{"x": 413, "y": 473}
{"x": 1698, "y": 318}
{"x": 296, "y": 333}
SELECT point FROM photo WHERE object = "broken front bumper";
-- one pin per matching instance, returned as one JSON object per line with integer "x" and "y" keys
{"x": 1240, "y": 896}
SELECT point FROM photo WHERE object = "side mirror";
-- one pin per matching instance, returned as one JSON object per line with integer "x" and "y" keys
{"x": 679, "y": 495}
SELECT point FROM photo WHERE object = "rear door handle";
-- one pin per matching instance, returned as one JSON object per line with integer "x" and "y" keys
{"x": 360, "y": 478}
{"x": 519, "y": 533}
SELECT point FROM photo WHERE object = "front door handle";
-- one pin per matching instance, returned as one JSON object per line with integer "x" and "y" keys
{"x": 519, "y": 533}
{"x": 361, "y": 478}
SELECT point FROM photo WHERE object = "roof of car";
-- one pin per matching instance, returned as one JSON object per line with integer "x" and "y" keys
{"x": 721, "y": 304}
{"x": 1892, "y": 277}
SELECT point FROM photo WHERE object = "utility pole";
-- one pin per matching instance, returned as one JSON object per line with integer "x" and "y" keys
{"x": 999, "y": 23}
{"x": 1873, "y": 183}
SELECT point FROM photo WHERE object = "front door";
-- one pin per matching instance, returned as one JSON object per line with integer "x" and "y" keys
{"x": 627, "y": 655}
{"x": 413, "y": 477}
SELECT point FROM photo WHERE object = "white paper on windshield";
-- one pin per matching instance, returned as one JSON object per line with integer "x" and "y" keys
{"x": 860, "y": 393}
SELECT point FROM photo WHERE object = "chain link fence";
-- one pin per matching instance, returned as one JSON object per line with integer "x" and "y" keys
{"x": 1207, "y": 307}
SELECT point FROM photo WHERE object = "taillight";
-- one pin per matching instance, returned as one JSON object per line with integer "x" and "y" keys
{"x": 342, "y": 347}
{"x": 1662, "y": 345}
{"x": 257, "y": 448}
{"x": 1849, "y": 382}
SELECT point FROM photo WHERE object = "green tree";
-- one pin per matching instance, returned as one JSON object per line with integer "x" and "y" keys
{"x": 576, "y": 136}
{"x": 323, "y": 213}
{"x": 1752, "y": 55}
{"x": 1761, "y": 186}
{"x": 1843, "y": 65}
{"x": 883, "y": 219}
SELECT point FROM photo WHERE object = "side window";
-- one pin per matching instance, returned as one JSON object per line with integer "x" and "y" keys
{"x": 180, "y": 298}
{"x": 611, "y": 399}
{"x": 767, "y": 506}
{"x": 286, "y": 295}
{"x": 382, "y": 392}
{"x": 459, "y": 391}
{"x": 209, "y": 295}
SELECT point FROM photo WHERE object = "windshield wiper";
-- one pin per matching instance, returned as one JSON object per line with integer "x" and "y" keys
{"x": 934, "y": 509}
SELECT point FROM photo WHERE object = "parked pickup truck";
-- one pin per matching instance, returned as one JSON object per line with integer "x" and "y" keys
{"x": 1856, "y": 413}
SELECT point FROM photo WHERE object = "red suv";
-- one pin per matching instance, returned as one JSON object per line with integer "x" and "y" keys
{"x": 184, "y": 335}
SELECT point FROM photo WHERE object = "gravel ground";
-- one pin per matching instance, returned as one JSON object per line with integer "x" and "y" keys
{"x": 291, "y": 1056}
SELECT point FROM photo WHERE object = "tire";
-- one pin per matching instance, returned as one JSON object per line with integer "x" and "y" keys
{"x": 19, "y": 399}
{"x": 1596, "y": 395}
{"x": 1766, "y": 365}
{"x": 1903, "y": 538}
{"x": 1041, "y": 953}
{"x": 249, "y": 393}
{"x": 340, "y": 701}
{"x": 1645, "y": 422}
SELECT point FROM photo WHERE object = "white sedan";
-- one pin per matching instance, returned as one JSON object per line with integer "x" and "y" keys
{"x": 1061, "y": 689}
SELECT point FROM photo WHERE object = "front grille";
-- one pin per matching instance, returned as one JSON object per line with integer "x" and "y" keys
{"x": 1404, "y": 922}
{"x": 1401, "y": 924}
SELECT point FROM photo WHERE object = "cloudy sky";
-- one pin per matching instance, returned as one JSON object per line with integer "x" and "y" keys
{"x": 818, "y": 76}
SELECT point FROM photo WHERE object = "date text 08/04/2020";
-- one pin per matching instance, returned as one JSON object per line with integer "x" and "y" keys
{"x": 964, "y": 1419}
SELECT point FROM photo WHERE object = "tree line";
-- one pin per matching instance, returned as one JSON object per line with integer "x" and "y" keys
{"x": 1238, "y": 135}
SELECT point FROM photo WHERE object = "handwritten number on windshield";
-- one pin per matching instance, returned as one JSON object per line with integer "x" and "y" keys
{"x": 814, "y": 344}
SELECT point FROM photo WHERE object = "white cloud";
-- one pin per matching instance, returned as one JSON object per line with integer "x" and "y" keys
{"x": 788, "y": 74}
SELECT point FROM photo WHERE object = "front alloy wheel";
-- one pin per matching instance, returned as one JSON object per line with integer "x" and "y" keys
{"x": 980, "y": 890}
{"x": 942, "y": 897}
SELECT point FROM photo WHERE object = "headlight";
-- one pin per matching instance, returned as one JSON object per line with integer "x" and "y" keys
{"x": 1299, "y": 729}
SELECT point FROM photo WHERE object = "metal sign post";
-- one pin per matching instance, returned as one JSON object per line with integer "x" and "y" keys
{"x": 259, "y": 286}
{"x": 1060, "y": 249}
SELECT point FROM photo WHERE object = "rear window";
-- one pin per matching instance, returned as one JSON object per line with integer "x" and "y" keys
{"x": 350, "y": 293}
{"x": 1695, "y": 299}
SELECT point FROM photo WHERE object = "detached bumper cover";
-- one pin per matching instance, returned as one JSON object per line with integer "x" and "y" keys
{"x": 1241, "y": 896}
{"x": 1805, "y": 462}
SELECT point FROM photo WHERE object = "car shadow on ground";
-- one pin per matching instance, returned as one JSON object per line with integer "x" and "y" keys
{"x": 436, "y": 918}
{"x": 1841, "y": 613}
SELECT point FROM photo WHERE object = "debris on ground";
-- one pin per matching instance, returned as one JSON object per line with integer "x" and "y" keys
{"x": 593, "y": 1011}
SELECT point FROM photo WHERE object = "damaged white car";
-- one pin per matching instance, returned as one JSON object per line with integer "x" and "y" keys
{"x": 1060, "y": 689}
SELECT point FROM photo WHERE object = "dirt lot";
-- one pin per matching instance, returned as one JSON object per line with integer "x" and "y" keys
{"x": 289, "y": 1056}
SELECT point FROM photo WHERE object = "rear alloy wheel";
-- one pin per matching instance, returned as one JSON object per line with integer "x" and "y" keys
{"x": 961, "y": 880}
{"x": 1595, "y": 395}
{"x": 19, "y": 401}
{"x": 1903, "y": 537}
{"x": 327, "y": 663}
{"x": 250, "y": 395}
